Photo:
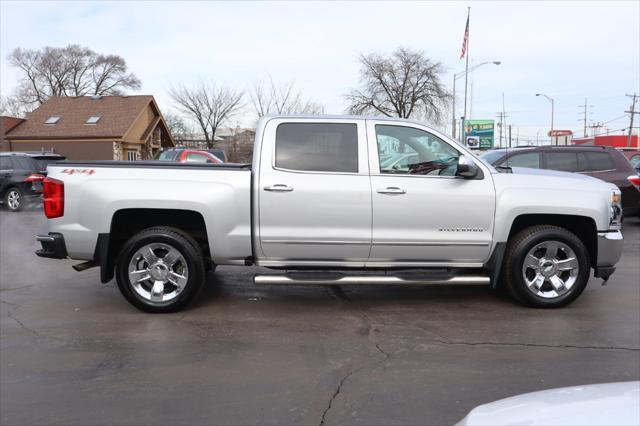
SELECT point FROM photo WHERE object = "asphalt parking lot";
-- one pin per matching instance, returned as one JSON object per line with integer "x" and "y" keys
{"x": 72, "y": 351}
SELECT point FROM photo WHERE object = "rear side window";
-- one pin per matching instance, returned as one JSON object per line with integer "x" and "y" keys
{"x": 529, "y": 159}
{"x": 599, "y": 161}
{"x": 5, "y": 163}
{"x": 319, "y": 147}
{"x": 24, "y": 163}
{"x": 563, "y": 161}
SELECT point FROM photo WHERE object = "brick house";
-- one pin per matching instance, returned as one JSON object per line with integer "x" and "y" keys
{"x": 94, "y": 128}
{"x": 6, "y": 124}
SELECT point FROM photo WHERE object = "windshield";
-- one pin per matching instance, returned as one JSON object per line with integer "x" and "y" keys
{"x": 166, "y": 156}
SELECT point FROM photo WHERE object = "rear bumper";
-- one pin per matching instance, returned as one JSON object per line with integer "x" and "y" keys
{"x": 610, "y": 245}
{"x": 52, "y": 246}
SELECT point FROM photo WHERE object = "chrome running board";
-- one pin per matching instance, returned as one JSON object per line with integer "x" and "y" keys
{"x": 272, "y": 279}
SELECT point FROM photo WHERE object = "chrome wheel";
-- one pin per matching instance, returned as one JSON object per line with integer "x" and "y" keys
{"x": 550, "y": 269}
{"x": 158, "y": 272}
{"x": 13, "y": 199}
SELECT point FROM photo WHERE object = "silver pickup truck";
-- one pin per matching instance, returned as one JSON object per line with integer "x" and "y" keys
{"x": 334, "y": 200}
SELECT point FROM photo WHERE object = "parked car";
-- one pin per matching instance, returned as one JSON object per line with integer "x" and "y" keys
{"x": 590, "y": 405}
{"x": 318, "y": 207}
{"x": 633, "y": 155}
{"x": 600, "y": 162}
{"x": 186, "y": 155}
{"x": 21, "y": 176}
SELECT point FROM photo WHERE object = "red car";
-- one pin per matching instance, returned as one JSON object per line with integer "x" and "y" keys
{"x": 189, "y": 156}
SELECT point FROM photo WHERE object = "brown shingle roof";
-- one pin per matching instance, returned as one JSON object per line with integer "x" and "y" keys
{"x": 117, "y": 114}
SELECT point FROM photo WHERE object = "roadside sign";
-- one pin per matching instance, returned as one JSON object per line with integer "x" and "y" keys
{"x": 479, "y": 134}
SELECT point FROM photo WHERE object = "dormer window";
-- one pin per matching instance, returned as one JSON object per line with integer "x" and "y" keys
{"x": 93, "y": 119}
{"x": 52, "y": 120}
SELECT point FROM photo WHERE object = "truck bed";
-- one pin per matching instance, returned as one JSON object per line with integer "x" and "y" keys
{"x": 95, "y": 191}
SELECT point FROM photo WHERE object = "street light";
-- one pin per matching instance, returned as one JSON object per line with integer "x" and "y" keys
{"x": 552, "y": 108}
{"x": 457, "y": 76}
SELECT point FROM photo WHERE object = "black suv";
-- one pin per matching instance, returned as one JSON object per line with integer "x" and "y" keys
{"x": 601, "y": 162}
{"x": 21, "y": 176}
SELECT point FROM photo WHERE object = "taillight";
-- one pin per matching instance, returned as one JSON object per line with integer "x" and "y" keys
{"x": 34, "y": 177}
{"x": 53, "y": 198}
{"x": 635, "y": 181}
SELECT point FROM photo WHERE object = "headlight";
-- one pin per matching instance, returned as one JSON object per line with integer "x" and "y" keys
{"x": 615, "y": 214}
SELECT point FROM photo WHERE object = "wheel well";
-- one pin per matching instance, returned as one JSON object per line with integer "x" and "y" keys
{"x": 583, "y": 227}
{"x": 128, "y": 222}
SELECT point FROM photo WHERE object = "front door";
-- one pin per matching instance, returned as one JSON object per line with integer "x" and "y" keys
{"x": 314, "y": 193}
{"x": 423, "y": 214}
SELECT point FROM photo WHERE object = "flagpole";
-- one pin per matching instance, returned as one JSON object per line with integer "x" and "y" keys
{"x": 463, "y": 131}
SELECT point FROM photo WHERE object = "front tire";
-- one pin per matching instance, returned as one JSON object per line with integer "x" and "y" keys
{"x": 546, "y": 266}
{"x": 160, "y": 269}
{"x": 14, "y": 200}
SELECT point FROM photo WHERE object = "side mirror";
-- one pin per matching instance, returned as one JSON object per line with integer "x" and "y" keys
{"x": 467, "y": 168}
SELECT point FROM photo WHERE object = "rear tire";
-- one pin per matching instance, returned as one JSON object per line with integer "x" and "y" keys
{"x": 546, "y": 266}
{"x": 14, "y": 199}
{"x": 160, "y": 269}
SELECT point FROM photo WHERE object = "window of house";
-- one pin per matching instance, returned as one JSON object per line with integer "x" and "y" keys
{"x": 93, "y": 119}
{"x": 320, "y": 147}
{"x": 406, "y": 150}
{"x": 529, "y": 159}
{"x": 52, "y": 120}
{"x": 132, "y": 155}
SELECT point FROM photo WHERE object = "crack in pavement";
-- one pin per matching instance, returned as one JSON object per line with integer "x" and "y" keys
{"x": 20, "y": 323}
{"x": 370, "y": 325}
{"x": 336, "y": 393}
{"x": 536, "y": 345}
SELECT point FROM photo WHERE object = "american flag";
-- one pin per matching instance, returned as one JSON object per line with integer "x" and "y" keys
{"x": 465, "y": 40}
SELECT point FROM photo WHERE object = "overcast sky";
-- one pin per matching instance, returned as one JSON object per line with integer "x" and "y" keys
{"x": 568, "y": 50}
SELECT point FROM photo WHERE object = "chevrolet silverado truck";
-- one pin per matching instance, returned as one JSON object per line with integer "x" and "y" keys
{"x": 334, "y": 200}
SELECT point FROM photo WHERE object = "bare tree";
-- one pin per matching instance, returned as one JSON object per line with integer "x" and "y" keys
{"x": 69, "y": 71}
{"x": 207, "y": 105}
{"x": 271, "y": 98}
{"x": 11, "y": 106}
{"x": 405, "y": 84}
{"x": 177, "y": 126}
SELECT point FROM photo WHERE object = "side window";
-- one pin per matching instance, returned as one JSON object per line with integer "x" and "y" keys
{"x": 599, "y": 161}
{"x": 317, "y": 147}
{"x": 194, "y": 157}
{"x": 5, "y": 163}
{"x": 563, "y": 161}
{"x": 635, "y": 161}
{"x": 529, "y": 159}
{"x": 405, "y": 150}
{"x": 23, "y": 163}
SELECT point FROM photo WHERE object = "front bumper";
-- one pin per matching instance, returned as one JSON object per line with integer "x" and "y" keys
{"x": 610, "y": 245}
{"x": 52, "y": 246}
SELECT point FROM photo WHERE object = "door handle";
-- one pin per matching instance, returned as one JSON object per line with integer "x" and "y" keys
{"x": 391, "y": 190}
{"x": 278, "y": 188}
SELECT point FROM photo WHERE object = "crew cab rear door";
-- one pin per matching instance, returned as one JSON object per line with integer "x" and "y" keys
{"x": 314, "y": 195}
{"x": 423, "y": 214}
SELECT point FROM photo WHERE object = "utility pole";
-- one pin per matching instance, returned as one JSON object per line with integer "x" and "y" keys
{"x": 584, "y": 114}
{"x": 509, "y": 135}
{"x": 501, "y": 116}
{"x": 632, "y": 112}
{"x": 595, "y": 127}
